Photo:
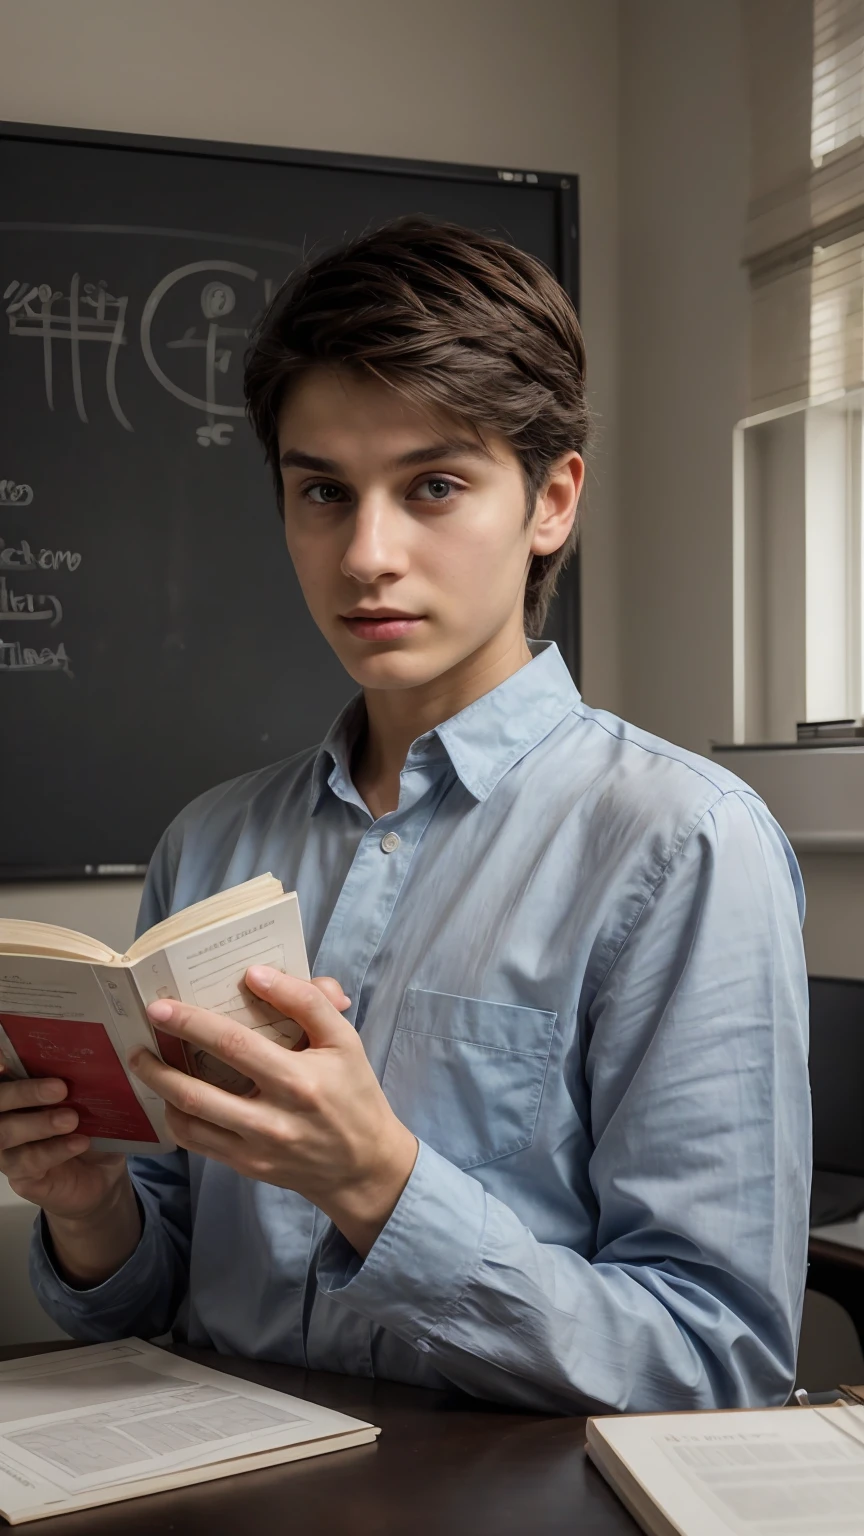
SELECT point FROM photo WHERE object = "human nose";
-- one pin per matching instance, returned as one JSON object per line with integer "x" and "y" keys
{"x": 376, "y": 549}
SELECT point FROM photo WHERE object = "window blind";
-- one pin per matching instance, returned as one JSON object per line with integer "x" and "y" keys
{"x": 805, "y": 231}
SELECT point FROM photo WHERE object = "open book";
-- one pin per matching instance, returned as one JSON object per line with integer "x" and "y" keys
{"x": 759, "y": 1472}
{"x": 71, "y": 1007}
{"x": 85, "y": 1427}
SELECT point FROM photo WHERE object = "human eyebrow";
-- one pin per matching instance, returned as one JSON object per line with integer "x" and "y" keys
{"x": 456, "y": 448}
{"x": 292, "y": 458}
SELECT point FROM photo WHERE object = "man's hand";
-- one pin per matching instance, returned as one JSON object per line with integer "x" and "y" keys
{"x": 319, "y": 1123}
{"x": 87, "y": 1196}
{"x": 43, "y": 1155}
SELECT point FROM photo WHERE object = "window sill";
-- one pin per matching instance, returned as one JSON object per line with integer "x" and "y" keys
{"x": 816, "y": 792}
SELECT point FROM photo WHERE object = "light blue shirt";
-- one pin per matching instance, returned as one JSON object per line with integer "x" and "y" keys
{"x": 575, "y": 960}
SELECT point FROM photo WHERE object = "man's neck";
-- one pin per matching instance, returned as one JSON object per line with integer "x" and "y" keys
{"x": 396, "y": 717}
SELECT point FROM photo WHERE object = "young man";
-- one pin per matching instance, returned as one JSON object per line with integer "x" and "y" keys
{"x": 549, "y": 1139}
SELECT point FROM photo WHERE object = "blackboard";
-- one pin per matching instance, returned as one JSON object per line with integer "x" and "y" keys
{"x": 153, "y": 640}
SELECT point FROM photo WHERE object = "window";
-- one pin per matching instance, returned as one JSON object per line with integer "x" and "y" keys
{"x": 837, "y": 115}
{"x": 799, "y": 592}
{"x": 798, "y": 580}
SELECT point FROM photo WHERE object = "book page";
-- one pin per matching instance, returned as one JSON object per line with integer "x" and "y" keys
{"x": 60, "y": 1018}
{"x": 208, "y": 969}
{"x": 782, "y": 1472}
{"x": 251, "y": 896}
{"x": 114, "y": 1414}
{"x": 21, "y": 936}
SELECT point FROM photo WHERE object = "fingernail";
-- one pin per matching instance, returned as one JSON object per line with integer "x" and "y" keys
{"x": 49, "y": 1093}
{"x": 133, "y": 1059}
{"x": 65, "y": 1120}
{"x": 160, "y": 1012}
{"x": 262, "y": 976}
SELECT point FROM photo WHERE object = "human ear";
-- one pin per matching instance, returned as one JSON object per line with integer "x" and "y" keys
{"x": 557, "y": 503}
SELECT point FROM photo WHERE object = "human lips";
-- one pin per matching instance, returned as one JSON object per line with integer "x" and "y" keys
{"x": 380, "y": 623}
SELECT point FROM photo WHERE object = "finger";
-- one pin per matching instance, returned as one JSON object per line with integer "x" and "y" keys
{"x": 202, "y": 1136}
{"x": 201, "y": 1101}
{"x": 38, "y": 1158}
{"x": 28, "y": 1092}
{"x": 303, "y": 1001}
{"x": 333, "y": 991}
{"x": 16, "y": 1130}
{"x": 242, "y": 1048}
{"x": 200, "y": 1150}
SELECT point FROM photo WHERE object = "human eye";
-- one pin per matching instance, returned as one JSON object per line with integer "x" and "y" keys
{"x": 435, "y": 488}
{"x": 324, "y": 493}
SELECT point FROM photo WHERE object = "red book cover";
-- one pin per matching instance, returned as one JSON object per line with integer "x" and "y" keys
{"x": 82, "y": 1055}
{"x": 172, "y": 1050}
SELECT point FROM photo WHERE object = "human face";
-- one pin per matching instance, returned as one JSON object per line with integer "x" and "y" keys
{"x": 408, "y": 534}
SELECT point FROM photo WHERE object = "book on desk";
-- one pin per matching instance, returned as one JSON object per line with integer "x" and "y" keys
{"x": 754, "y": 1472}
{"x": 84, "y": 1427}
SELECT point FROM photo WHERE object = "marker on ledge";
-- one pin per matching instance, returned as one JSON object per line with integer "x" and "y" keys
{"x": 115, "y": 869}
{"x": 9, "y": 873}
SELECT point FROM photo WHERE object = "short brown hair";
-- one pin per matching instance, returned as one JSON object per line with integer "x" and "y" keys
{"x": 457, "y": 321}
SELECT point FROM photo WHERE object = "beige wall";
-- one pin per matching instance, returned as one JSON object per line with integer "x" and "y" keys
{"x": 493, "y": 82}
{"x": 683, "y": 369}
{"x": 683, "y": 190}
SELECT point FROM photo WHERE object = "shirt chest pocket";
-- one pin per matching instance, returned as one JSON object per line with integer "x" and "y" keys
{"x": 466, "y": 1075}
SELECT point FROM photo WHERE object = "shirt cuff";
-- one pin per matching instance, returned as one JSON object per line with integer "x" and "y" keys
{"x": 416, "y": 1272}
{"x": 92, "y": 1312}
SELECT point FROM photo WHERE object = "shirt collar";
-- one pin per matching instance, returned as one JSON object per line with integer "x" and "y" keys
{"x": 494, "y": 733}
{"x": 483, "y": 742}
{"x": 332, "y": 763}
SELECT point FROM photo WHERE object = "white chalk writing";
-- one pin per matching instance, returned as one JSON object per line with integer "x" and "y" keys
{"x": 18, "y": 658}
{"x": 22, "y": 557}
{"x": 29, "y": 605}
{"x": 88, "y": 314}
{"x": 217, "y": 300}
{"x": 12, "y": 495}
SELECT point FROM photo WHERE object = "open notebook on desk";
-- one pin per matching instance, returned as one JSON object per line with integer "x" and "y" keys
{"x": 85, "y": 1427}
{"x": 761, "y": 1472}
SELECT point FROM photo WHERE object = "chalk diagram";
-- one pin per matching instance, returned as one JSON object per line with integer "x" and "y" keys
{"x": 201, "y": 312}
{"x": 217, "y": 301}
{"x": 89, "y": 315}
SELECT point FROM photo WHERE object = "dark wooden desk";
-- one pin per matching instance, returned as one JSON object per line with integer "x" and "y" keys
{"x": 443, "y": 1466}
{"x": 823, "y": 1250}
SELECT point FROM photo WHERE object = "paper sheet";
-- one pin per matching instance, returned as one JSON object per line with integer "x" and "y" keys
{"x": 79, "y": 1420}
{"x": 792, "y": 1472}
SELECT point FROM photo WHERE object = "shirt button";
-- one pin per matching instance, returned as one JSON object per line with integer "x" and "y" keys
{"x": 389, "y": 842}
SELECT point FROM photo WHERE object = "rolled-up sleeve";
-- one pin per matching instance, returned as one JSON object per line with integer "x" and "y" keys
{"x": 144, "y": 1295}
{"x": 695, "y": 1058}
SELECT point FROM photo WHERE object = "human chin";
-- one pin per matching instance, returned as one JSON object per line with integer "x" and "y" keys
{"x": 407, "y": 661}
{"x": 392, "y": 665}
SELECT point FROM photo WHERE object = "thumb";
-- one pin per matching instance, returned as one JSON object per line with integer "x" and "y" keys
{"x": 314, "y": 1005}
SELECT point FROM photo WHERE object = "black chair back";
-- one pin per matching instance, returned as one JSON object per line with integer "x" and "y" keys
{"x": 837, "y": 1074}
{"x": 837, "y": 1083}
